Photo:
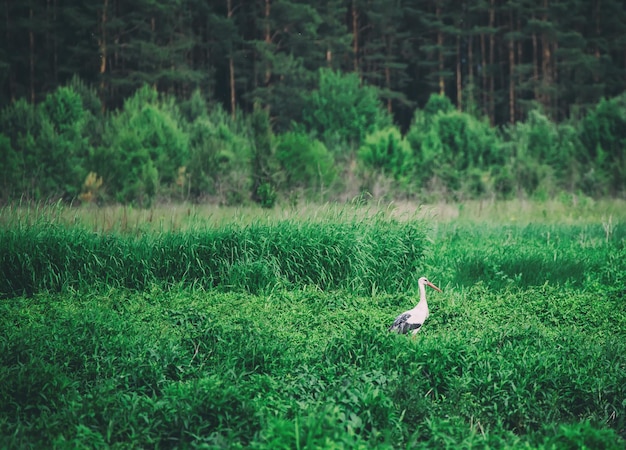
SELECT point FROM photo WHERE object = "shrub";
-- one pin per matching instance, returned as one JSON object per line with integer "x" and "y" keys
{"x": 342, "y": 107}
{"x": 266, "y": 195}
{"x": 219, "y": 154}
{"x": 438, "y": 103}
{"x": 10, "y": 169}
{"x": 51, "y": 144}
{"x": 263, "y": 160}
{"x": 305, "y": 162}
{"x": 144, "y": 145}
{"x": 447, "y": 143}
{"x": 386, "y": 151}
{"x": 603, "y": 152}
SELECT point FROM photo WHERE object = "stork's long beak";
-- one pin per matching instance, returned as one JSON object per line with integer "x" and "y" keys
{"x": 433, "y": 286}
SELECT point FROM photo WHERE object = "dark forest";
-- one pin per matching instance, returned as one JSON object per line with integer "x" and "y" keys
{"x": 536, "y": 85}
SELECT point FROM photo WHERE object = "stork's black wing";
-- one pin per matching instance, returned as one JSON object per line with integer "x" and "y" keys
{"x": 403, "y": 325}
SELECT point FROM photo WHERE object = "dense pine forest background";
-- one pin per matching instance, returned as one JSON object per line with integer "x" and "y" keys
{"x": 234, "y": 101}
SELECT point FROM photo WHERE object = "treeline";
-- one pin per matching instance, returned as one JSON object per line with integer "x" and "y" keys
{"x": 497, "y": 57}
{"x": 157, "y": 146}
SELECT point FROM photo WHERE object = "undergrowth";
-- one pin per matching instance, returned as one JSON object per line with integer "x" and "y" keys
{"x": 360, "y": 256}
{"x": 274, "y": 335}
{"x": 191, "y": 367}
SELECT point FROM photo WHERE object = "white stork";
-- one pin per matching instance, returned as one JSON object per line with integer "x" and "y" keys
{"x": 413, "y": 319}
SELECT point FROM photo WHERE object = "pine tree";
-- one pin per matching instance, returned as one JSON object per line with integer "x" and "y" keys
{"x": 381, "y": 46}
{"x": 282, "y": 48}
{"x": 151, "y": 42}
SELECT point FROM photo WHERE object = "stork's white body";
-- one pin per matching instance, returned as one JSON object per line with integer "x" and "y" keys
{"x": 413, "y": 319}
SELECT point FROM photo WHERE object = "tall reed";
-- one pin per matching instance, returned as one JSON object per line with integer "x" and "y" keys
{"x": 364, "y": 255}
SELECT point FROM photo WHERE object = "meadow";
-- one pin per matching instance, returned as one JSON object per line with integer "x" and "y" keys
{"x": 194, "y": 327}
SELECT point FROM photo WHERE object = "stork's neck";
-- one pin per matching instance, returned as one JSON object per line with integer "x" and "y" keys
{"x": 422, "y": 295}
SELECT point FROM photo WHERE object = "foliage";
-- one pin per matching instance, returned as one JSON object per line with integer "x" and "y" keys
{"x": 437, "y": 103}
{"x": 539, "y": 156}
{"x": 49, "y": 142}
{"x": 219, "y": 155}
{"x": 240, "y": 54}
{"x": 266, "y": 195}
{"x": 305, "y": 162}
{"x": 603, "y": 139}
{"x": 263, "y": 160}
{"x": 63, "y": 141}
{"x": 449, "y": 144}
{"x": 342, "y": 107}
{"x": 143, "y": 147}
{"x": 21, "y": 124}
{"x": 354, "y": 255}
{"x": 386, "y": 151}
{"x": 123, "y": 343}
{"x": 10, "y": 169}
{"x": 156, "y": 147}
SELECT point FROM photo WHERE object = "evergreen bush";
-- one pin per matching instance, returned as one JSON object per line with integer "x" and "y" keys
{"x": 342, "y": 107}
{"x": 305, "y": 162}
{"x": 144, "y": 146}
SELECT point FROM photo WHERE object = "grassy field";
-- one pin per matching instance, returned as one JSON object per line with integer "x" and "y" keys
{"x": 189, "y": 327}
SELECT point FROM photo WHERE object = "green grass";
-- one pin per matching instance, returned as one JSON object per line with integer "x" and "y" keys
{"x": 565, "y": 210}
{"x": 272, "y": 333}
{"x": 360, "y": 256}
{"x": 502, "y": 256}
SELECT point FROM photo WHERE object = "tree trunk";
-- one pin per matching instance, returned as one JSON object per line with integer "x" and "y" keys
{"x": 535, "y": 64}
{"x": 596, "y": 77}
{"x": 546, "y": 71}
{"x": 483, "y": 73}
{"x": 520, "y": 58}
{"x": 8, "y": 39}
{"x": 355, "y": 38}
{"x": 50, "y": 39}
{"x": 268, "y": 39}
{"x": 233, "y": 96}
{"x": 546, "y": 58}
{"x": 117, "y": 61}
{"x": 492, "y": 45}
{"x": 55, "y": 42}
{"x": 31, "y": 47}
{"x": 470, "y": 72}
{"x": 554, "y": 78}
{"x": 153, "y": 37}
{"x": 389, "y": 56}
{"x": 459, "y": 81}
{"x": 511, "y": 46}
{"x": 102, "y": 44}
{"x": 231, "y": 68}
{"x": 442, "y": 85}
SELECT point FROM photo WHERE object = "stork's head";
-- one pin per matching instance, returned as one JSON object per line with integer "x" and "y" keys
{"x": 424, "y": 282}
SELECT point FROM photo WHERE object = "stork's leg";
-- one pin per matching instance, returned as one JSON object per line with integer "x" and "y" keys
{"x": 415, "y": 331}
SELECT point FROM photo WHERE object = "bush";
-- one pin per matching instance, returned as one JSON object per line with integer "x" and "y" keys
{"x": 364, "y": 255}
{"x": 305, "y": 162}
{"x": 603, "y": 152}
{"x": 448, "y": 143}
{"x": 342, "y": 108}
{"x": 10, "y": 169}
{"x": 51, "y": 144}
{"x": 386, "y": 151}
{"x": 144, "y": 146}
{"x": 263, "y": 160}
{"x": 266, "y": 195}
{"x": 219, "y": 155}
{"x": 438, "y": 103}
